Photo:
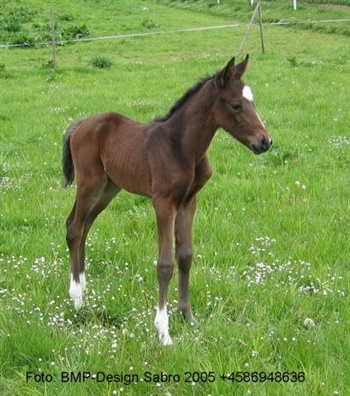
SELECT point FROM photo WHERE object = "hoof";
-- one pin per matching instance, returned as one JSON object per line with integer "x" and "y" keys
{"x": 77, "y": 301}
{"x": 166, "y": 340}
{"x": 194, "y": 323}
{"x": 189, "y": 317}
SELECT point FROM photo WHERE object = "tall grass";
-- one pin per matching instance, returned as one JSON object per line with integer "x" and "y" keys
{"x": 271, "y": 232}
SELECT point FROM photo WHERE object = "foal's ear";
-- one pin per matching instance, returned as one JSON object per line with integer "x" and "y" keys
{"x": 241, "y": 68}
{"x": 225, "y": 74}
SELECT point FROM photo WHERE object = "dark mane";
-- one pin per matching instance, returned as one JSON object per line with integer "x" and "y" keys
{"x": 186, "y": 96}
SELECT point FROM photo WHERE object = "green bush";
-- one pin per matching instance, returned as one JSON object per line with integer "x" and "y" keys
{"x": 74, "y": 32}
{"x": 100, "y": 62}
{"x": 149, "y": 24}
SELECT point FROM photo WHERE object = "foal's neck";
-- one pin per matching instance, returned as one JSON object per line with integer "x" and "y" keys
{"x": 194, "y": 124}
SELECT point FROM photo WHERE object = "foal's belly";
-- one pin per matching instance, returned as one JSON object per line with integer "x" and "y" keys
{"x": 126, "y": 165}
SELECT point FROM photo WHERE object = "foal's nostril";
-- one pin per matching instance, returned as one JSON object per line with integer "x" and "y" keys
{"x": 265, "y": 143}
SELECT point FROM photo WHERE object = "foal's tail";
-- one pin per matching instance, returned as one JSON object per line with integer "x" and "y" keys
{"x": 67, "y": 160}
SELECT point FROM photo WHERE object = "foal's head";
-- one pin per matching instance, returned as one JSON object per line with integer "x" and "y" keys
{"x": 235, "y": 110}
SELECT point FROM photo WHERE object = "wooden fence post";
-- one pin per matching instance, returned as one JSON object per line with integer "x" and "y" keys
{"x": 257, "y": 9}
{"x": 261, "y": 28}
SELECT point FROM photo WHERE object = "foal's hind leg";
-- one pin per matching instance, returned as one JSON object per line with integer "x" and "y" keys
{"x": 109, "y": 192}
{"x": 183, "y": 240}
{"x": 91, "y": 199}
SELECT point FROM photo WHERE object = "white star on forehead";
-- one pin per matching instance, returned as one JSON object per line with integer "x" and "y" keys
{"x": 247, "y": 93}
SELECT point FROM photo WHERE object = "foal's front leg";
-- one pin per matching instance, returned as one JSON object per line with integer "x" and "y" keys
{"x": 165, "y": 212}
{"x": 183, "y": 237}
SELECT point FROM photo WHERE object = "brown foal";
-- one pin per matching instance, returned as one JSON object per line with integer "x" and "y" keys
{"x": 164, "y": 160}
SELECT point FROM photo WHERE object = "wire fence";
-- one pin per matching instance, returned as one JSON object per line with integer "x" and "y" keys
{"x": 174, "y": 31}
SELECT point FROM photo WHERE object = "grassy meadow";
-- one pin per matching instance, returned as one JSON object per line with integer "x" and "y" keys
{"x": 271, "y": 233}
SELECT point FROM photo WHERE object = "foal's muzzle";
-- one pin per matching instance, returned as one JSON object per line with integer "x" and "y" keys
{"x": 263, "y": 145}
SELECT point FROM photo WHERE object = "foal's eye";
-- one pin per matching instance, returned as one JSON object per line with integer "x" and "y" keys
{"x": 236, "y": 106}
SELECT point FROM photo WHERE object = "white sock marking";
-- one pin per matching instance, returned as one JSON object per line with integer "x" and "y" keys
{"x": 82, "y": 281}
{"x": 76, "y": 292}
{"x": 161, "y": 322}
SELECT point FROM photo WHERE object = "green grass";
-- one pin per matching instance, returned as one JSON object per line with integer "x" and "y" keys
{"x": 271, "y": 233}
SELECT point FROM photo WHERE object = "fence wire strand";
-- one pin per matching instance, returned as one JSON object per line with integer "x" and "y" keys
{"x": 175, "y": 31}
